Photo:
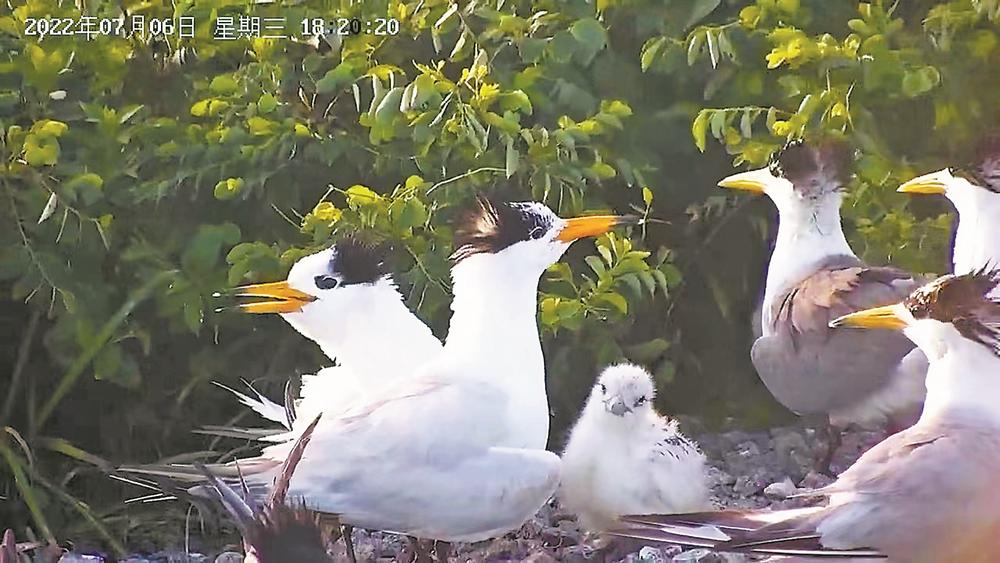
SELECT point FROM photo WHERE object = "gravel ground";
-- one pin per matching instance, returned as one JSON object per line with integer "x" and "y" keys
{"x": 749, "y": 470}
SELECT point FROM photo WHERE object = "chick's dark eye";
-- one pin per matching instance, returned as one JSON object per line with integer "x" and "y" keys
{"x": 640, "y": 401}
{"x": 326, "y": 282}
{"x": 603, "y": 388}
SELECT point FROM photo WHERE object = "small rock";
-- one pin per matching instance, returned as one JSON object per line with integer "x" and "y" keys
{"x": 780, "y": 490}
{"x": 692, "y": 556}
{"x": 578, "y": 554}
{"x": 229, "y": 557}
{"x": 540, "y": 557}
{"x": 751, "y": 484}
{"x": 651, "y": 554}
{"x": 71, "y": 557}
{"x": 815, "y": 480}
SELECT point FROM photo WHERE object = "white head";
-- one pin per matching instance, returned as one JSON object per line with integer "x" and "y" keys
{"x": 966, "y": 190}
{"x": 325, "y": 287}
{"x": 975, "y": 191}
{"x": 624, "y": 392}
{"x": 805, "y": 182}
{"x": 526, "y": 236}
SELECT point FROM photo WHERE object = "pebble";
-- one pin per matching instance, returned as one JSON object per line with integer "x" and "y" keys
{"x": 780, "y": 490}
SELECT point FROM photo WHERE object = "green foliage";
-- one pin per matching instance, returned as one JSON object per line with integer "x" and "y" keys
{"x": 141, "y": 175}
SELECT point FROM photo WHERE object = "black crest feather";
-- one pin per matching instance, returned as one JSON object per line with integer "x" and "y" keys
{"x": 492, "y": 225}
{"x": 985, "y": 168}
{"x": 824, "y": 161}
{"x": 968, "y": 301}
{"x": 358, "y": 261}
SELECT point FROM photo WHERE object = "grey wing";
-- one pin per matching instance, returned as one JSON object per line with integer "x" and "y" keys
{"x": 917, "y": 492}
{"x": 811, "y": 368}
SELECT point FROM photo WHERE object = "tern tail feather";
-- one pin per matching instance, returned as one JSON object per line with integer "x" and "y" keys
{"x": 261, "y": 405}
{"x": 783, "y": 532}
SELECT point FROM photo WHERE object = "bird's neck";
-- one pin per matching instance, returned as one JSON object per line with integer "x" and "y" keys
{"x": 493, "y": 337}
{"x": 977, "y": 238}
{"x": 963, "y": 384}
{"x": 807, "y": 236}
{"x": 494, "y": 312}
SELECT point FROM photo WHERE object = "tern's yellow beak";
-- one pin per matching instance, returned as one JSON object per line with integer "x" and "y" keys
{"x": 933, "y": 183}
{"x": 282, "y": 298}
{"x": 879, "y": 317}
{"x": 751, "y": 181}
{"x": 580, "y": 227}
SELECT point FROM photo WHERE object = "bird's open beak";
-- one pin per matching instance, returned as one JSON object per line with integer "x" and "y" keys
{"x": 580, "y": 227}
{"x": 281, "y": 298}
{"x": 750, "y": 181}
{"x": 933, "y": 183}
{"x": 879, "y": 317}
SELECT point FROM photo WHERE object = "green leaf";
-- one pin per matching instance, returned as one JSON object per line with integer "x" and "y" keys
{"x": 695, "y": 43}
{"x": 204, "y": 249}
{"x": 531, "y": 49}
{"x": 597, "y": 265}
{"x": 259, "y": 126}
{"x": 700, "y": 9}
{"x": 335, "y": 79}
{"x": 223, "y": 84}
{"x": 920, "y": 81}
{"x": 615, "y": 300}
{"x": 516, "y": 100}
{"x": 603, "y": 170}
{"x": 650, "y": 50}
{"x": 605, "y": 253}
{"x": 512, "y": 158}
{"x": 41, "y": 150}
{"x": 562, "y": 46}
{"x": 616, "y": 108}
{"x": 647, "y": 196}
{"x": 228, "y": 188}
{"x": 413, "y": 214}
{"x": 699, "y": 129}
{"x": 359, "y": 196}
{"x": 267, "y": 103}
{"x": 592, "y": 38}
{"x": 200, "y": 108}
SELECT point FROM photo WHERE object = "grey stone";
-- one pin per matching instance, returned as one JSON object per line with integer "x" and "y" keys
{"x": 780, "y": 490}
{"x": 229, "y": 557}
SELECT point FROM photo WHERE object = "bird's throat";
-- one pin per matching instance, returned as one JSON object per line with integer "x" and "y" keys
{"x": 804, "y": 241}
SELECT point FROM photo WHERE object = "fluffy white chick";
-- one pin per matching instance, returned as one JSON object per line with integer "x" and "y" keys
{"x": 623, "y": 457}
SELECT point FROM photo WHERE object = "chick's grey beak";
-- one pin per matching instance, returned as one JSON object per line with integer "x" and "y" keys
{"x": 617, "y": 407}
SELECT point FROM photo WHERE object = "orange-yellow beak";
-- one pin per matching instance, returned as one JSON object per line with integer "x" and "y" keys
{"x": 933, "y": 183}
{"x": 580, "y": 227}
{"x": 281, "y": 298}
{"x": 879, "y": 317}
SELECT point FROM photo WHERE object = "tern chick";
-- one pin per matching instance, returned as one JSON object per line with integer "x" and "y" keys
{"x": 623, "y": 457}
